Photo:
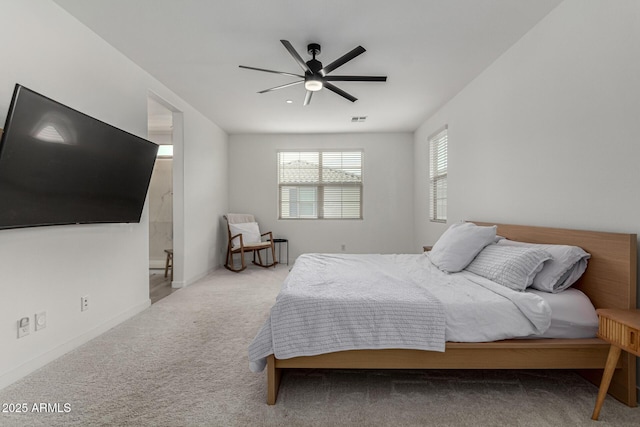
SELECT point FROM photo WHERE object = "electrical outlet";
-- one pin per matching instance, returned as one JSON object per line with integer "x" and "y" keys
{"x": 41, "y": 321}
{"x": 23, "y": 327}
{"x": 84, "y": 303}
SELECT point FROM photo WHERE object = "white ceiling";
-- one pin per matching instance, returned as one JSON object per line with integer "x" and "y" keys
{"x": 429, "y": 49}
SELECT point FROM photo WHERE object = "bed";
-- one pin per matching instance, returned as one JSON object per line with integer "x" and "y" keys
{"x": 609, "y": 282}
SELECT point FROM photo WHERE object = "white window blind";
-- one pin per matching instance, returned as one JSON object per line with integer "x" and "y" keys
{"x": 320, "y": 184}
{"x": 438, "y": 176}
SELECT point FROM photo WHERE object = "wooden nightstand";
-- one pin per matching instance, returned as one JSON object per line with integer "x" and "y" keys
{"x": 621, "y": 328}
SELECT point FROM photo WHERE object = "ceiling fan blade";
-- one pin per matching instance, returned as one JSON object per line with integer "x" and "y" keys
{"x": 340, "y": 92}
{"x": 271, "y": 71}
{"x": 356, "y": 78}
{"x": 297, "y": 57}
{"x": 342, "y": 60}
{"x": 307, "y": 98}
{"x": 281, "y": 86}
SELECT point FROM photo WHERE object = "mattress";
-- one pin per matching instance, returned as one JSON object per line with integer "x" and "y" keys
{"x": 572, "y": 315}
{"x": 475, "y": 309}
{"x": 478, "y": 309}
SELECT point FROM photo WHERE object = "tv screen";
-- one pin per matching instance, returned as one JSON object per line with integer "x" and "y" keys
{"x": 60, "y": 166}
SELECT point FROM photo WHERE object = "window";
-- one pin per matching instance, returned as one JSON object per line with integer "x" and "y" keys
{"x": 438, "y": 176}
{"x": 320, "y": 184}
{"x": 165, "y": 151}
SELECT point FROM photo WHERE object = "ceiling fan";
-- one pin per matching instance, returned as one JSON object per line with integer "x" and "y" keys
{"x": 316, "y": 76}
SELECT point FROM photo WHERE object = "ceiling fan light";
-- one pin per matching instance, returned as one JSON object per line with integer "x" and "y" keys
{"x": 313, "y": 85}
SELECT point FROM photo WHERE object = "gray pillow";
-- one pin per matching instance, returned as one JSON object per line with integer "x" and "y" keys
{"x": 565, "y": 267}
{"x": 459, "y": 244}
{"x": 510, "y": 266}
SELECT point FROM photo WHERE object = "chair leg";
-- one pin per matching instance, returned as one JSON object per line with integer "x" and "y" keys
{"x": 242, "y": 257}
{"x": 166, "y": 265}
{"x": 261, "y": 263}
{"x": 229, "y": 265}
{"x": 226, "y": 263}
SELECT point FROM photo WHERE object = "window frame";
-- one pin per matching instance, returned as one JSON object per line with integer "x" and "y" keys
{"x": 320, "y": 186}
{"x": 438, "y": 177}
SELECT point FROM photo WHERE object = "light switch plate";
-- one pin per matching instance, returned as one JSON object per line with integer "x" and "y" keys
{"x": 23, "y": 327}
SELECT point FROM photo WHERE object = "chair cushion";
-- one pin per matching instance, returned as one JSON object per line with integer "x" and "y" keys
{"x": 233, "y": 218}
{"x": 251, "y": 247}
{"x": 250, "y": 233}
{"x": 256, "y": 245}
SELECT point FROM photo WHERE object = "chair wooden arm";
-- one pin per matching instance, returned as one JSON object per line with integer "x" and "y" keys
{"x": 270, "y": 235}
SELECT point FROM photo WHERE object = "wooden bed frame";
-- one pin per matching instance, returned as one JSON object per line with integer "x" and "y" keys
{"x": 610, "y": 282}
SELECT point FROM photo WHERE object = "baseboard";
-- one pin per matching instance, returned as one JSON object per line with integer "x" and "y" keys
{"x": 181, "y": 284}
{"x": 178, "y": 284}
{"x": 192, "y": 280}
{"x": 40, "y": 361}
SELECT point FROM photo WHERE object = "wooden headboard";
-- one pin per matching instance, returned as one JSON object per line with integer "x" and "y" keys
{"x": 610, "y": 279}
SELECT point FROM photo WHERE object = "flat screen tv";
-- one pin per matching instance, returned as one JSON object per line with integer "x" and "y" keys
{"x": 59, "y": 166}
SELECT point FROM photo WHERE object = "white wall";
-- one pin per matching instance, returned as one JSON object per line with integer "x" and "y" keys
{"x": 50, "y": 268}
{"x": 549, "y": 134}
{"x": 206, "y": 197}
{"x": 387, "y": 192}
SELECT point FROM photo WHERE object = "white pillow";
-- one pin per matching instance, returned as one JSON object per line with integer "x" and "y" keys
{"x": 249, "y": 230}
{"x": 510, "y": 266}
{"x": 459, "y": 244}
{"x": 568, "y": 263}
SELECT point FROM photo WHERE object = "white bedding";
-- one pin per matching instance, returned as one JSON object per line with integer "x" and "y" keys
{"x": 332, "y": 303}
{"x": 573, "y": 315}
{"x": 475, "y": 309}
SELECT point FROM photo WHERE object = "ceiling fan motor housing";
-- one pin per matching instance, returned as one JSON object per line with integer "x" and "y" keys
{"x": 314, "y": 64}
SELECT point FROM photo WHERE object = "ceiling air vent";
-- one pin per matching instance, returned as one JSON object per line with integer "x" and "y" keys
{"x": 358, "y": 119}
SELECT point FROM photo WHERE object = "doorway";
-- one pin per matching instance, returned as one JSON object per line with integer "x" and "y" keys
{"x": 161, "y": 219}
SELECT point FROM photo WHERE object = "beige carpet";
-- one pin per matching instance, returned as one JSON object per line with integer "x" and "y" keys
{"x": 183, "y": 362}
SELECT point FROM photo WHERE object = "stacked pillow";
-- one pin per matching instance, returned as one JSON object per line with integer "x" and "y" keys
{"x": 509, "y": 266}
{"x": 459, "y": 245}
{"x": 516, "y": 265}
{"x": 565, "y": 267}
